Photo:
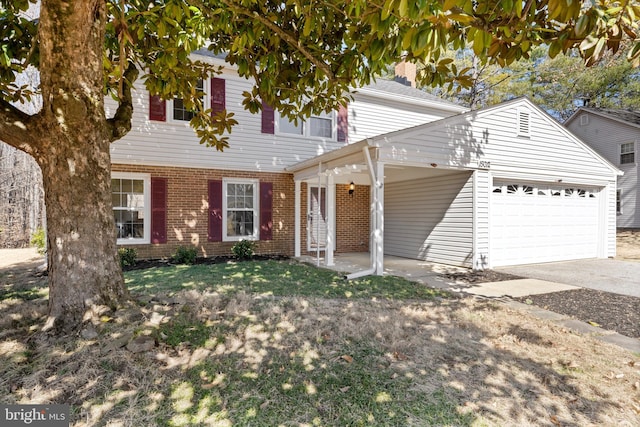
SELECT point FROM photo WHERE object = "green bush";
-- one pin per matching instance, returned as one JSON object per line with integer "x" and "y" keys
{"x": 184, "y": 255}
{"x": 39, "y": 240}
{"x": 127, "y": 256}
{"x": 244, "y": 249}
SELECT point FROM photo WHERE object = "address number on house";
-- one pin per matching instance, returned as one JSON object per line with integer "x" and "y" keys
{"x": 483, "y": 164}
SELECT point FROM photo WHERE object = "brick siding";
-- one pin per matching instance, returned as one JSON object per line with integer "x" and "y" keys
{"x": 187, "y": 213}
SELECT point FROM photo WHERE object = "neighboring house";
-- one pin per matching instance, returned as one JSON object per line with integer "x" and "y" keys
{"x": 615, "y": 134}
{"x": 479, "y": 189}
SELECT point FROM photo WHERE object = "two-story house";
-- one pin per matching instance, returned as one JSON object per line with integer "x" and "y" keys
{"x": 397, "y": 172}
{"x": 615, "y": 135}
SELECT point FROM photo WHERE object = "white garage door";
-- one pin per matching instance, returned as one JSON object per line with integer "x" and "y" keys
{"x": 533, "y": 223}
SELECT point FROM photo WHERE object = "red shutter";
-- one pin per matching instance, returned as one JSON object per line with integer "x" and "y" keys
{"x": 215, "y": 211}
{"x": 343, "y": 124}
{"x": 218, "y": 95}
{"x": 266, "y": 211}
{"x": 158, "y": 210}
{"x": 157, "y": 108}
{"x": 268, "y": 119}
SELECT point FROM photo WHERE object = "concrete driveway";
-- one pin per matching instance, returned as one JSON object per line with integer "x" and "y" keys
{"x": 621, "y": 277}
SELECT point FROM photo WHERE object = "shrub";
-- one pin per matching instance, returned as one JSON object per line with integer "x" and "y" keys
{"x": 244, "y": 249}
{"x": 38, "y": 239}
{"x": 184, "y": 255}
{"x": 127, "y": 256}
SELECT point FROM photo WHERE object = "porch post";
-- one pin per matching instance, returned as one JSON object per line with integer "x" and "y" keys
{"x": 331, "y": 220}
{"x": 378, "y": 233}
{"x": 297, "y": 224}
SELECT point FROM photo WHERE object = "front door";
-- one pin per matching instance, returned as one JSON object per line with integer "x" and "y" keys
{"x": 316, "y": 218}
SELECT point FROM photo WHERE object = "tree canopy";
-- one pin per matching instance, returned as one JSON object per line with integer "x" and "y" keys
{"x": 559, "y": 85}
{"x": 303, "y": 57}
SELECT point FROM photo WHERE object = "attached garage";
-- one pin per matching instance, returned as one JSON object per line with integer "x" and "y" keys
{"x": 505, "y": 185}
{"x": 538, "y": 222}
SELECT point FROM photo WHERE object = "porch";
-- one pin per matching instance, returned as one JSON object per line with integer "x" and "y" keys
{"x": 412, "y": 269}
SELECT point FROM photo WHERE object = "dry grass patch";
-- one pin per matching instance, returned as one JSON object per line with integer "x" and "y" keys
{"x": 235, "y": 359}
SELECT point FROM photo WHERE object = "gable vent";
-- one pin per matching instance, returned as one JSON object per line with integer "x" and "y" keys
{"x": 524, "y": 123}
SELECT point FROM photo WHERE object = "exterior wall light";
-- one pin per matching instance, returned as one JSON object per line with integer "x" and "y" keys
{"x": 352, "y": 188}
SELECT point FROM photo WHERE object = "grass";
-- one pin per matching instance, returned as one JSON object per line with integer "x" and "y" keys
{"x": 277, "y": 343}
{"x": 273, "y": 278}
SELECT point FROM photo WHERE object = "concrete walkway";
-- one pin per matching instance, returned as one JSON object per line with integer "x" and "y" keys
{"x": 433, "y": 275}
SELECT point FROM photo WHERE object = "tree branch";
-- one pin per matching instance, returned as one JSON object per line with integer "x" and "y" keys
{"x": 16, "y": 128}
{"x": 120, "y": 124}
{"x": 288, "y": 38}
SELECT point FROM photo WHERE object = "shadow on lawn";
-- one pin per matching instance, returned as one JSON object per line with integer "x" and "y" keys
{"x": 244, "y": 358}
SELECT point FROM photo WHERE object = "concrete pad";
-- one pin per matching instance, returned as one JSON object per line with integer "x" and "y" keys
{"x": 516, "y": 288}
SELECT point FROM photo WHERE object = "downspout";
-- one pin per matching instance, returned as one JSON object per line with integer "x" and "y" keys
{"x": 374, "y": 222}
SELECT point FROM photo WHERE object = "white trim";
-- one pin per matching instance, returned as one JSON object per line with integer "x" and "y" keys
{"x": 256, "y": 209}
{"x": 146, "y": 178}
{"x": 206, "y": 104}
{"x": 306, "y": 127}
{"x": 409, "y": 100}
{"x": 584, "y": 119}
{"x": 620, "y": 153}
{"x": 297, "y": 198}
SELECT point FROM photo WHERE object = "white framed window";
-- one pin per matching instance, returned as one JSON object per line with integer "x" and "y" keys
{"x": 523, "y": 125}
{"x": 584, "y": 120}
{"x": 619, "y": 202}
{"x": 240, "y": 209}
{"x": 179, "y": 113}
{"x": 317, "y": 126}
{"x": 131, "y": 199}
{"x": 627, "y": 153}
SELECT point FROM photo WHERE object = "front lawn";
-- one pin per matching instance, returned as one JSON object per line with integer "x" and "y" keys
{"x": 278, "y": 343}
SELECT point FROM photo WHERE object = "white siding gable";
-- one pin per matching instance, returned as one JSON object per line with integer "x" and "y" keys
{"x": 492, "y": 138}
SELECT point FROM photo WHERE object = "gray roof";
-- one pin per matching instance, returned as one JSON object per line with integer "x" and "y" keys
{"x": 398, "y": 88}
{"x": 628, "y": 116}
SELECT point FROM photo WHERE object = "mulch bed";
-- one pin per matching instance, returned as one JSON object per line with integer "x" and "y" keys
{"x": 148, "y": 263}
{"x": 614, "y": 312}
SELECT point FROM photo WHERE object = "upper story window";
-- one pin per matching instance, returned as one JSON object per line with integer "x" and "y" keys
{"x": 318, "y": 126}
{"x": 627, "y": 153}
{"x": 130, "y": 196}
{"x": 180, "y": 112}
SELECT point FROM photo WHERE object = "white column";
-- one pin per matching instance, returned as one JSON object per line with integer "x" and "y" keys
{"x": 331, "y": 220}
{"x": 297, "y": 224}
{"x": 378, "y": 232}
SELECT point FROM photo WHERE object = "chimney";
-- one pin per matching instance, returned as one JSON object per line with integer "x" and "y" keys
{"x": 406, "y": 73}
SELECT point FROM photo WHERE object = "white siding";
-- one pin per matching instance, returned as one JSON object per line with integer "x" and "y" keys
{"x": 174, "y": 143}
{"x": 605, "y": 136}
{"x": 430, "y": 219}
{"x": 370, "y": 116}
{"x": 549, "y": 154}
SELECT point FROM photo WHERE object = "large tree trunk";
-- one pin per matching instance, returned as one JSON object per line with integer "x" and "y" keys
{"x": 74, "y": 157}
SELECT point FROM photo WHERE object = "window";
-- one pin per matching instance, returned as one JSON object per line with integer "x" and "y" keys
{"x": 240, "y": 209}
{"x": 320, "y": 126}
{"x": 130, "y": 196}
{"x": 627, "y": 153}
{"x": 584, "y": 120}
{"x": 619, "y": 202}
{"x": 180, "y": 112}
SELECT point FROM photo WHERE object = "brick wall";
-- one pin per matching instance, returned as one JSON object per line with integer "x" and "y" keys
{"x": 187, "y": 211}
{"x": 352, "y": 219}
